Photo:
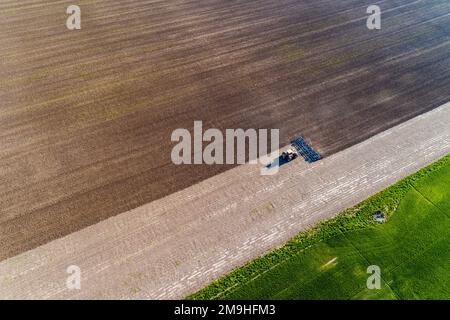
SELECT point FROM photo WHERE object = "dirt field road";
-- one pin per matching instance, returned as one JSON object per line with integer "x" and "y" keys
{"x": 177, "y": 244}
{"x": 86, "y": 116}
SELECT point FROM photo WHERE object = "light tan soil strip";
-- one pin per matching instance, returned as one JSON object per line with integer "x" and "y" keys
{"x": 175, "y": 245}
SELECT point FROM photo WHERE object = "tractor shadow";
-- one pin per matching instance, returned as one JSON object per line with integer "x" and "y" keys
{"x": 278, "y": 162}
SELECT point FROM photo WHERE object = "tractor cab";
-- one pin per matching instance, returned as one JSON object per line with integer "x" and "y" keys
{"x": 289, "y": 155}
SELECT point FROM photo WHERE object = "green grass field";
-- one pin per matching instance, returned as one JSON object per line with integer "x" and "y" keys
{"x": 412, "y": 250}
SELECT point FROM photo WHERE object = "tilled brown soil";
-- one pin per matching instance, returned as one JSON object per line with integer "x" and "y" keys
{"x": 86, "y": 116}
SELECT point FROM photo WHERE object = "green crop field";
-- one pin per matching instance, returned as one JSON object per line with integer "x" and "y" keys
{"x": 330, "y": 262}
